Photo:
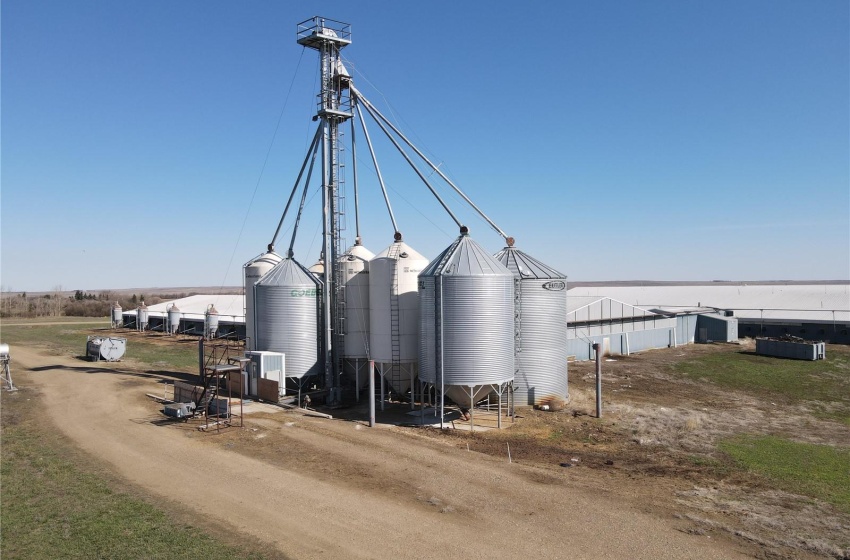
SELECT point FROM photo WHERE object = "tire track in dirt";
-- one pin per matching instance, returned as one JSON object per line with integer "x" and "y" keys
{"x": 434, "y": 501}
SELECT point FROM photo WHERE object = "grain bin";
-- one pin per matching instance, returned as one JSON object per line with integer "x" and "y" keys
{"x": 394, "y": 312}
{"x": 210, "y": 322}
{"x": 142, "y": 317}
{"x": 541, "y": 327}
{"x": 287, "y": 311}
{"x": 253, "y": 270}
{"x": 117, "y": 317}
{"x": 318, "y": 269}
{"x": 354, "y": 269}
{"x": 467, "y": 322}
{"x": 173, "y": 319}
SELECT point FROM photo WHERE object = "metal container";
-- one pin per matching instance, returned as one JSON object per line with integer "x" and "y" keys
{"x": 318, "y": 269}
{"x": 107, "y": 348}
{"x": 266, "y": 365}
{"x": 541, "y": 327}
{"x": 210, "y": 322}
{"x": 173, "y": 324}
{"x": 354, "y": 268}
{"x": 467, "y": 318}
{"x": 117, "y": 315}
{"x": 179, "y": 410}
{"x": 792, "y": 349}
{"x": 287, "y": 309}
{"x": 142, "y": 317}
{"x": 253, "y": 270}
{"x": 394, "y": 312}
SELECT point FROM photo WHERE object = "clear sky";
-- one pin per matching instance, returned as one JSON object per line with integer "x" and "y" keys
{"x": 615, "y": 140}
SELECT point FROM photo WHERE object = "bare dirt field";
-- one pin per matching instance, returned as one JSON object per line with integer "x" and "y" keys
{"x": 642, "y": 482}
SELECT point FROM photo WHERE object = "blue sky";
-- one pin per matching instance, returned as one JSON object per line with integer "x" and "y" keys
{"x": 614, "y": 140}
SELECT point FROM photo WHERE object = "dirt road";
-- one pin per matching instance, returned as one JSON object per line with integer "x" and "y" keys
{"x": 335, "y": 489}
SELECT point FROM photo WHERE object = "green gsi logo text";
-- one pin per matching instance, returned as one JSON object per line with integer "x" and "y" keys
{"x": 306, "y": 292}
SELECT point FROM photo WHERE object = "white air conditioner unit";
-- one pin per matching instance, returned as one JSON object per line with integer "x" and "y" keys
{"x": 266, "y": 365}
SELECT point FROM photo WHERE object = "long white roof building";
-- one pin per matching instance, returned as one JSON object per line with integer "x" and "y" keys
{"x": 793, "y": 302}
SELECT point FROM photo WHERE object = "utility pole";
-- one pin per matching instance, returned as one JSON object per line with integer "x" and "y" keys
{"x": 598, "y": 379}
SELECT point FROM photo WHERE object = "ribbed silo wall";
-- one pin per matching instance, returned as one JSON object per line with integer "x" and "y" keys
{"x": 476, "y": 338}
{"x": 288, "y": 322}
{"x": 253, "y": 271}
{"x": 542, "y": 353}
{"x": 427, "y": 330}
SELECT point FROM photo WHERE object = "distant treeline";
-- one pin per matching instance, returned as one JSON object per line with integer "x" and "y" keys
{"x": 81, "y": 304}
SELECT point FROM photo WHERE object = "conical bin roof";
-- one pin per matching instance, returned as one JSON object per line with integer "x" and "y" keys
{"x": 526, "y": 266}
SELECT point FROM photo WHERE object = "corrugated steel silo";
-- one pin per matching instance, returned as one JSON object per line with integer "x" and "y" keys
{"x": 142, "y": 317}
{"x": 255, "y": 269}
{"x": 210, "y": 322}
{"x": 354, "y": 265}
{"x": 467, "y": 321}
{"x": 287, "y": 300}
{"x": 394, "y": 312}
{"x": 541, "y": 353}
{"x": 318, "y": 268}
{"x": 117, "y": 315}
{"x": 173, "y": 322}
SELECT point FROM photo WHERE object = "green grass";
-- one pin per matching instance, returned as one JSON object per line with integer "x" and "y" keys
{"x": 794, "y": 381}
{"x": 56, "y": 505}
{"x": 819, "y": 471}
{"x": 71, "y": 340}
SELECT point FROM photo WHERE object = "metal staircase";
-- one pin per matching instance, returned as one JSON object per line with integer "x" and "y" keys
{"x": 219, "y": 364}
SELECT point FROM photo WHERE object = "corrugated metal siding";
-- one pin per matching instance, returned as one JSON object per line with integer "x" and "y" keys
{"x": 686, "y": 329}
{"x": 792, "y": 350}
{"x": 427, "y": 330}
{"x": 478, "y": 329}
{"x": 717, "y": 328}
{"x": 252, "y": 272}
{"x": 541, "y": 352}
{"x": 542, "y": 357}
{"x": 473, "y": 340}
{"x": 636, "y": 341}
{"x": 287, "y": 314}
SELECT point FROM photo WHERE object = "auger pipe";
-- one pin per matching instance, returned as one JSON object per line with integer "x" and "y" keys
{"x": 354, "y": 172}
{"x": 377, "y": 167}
{"x": 290, "y": 253}
{"x": 412, "y": 165}
{"x": 426, "y": 160}
{"x": 295, "y": 186}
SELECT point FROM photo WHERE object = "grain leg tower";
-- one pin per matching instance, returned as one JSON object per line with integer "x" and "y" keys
{"x": 329, "y": 37}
